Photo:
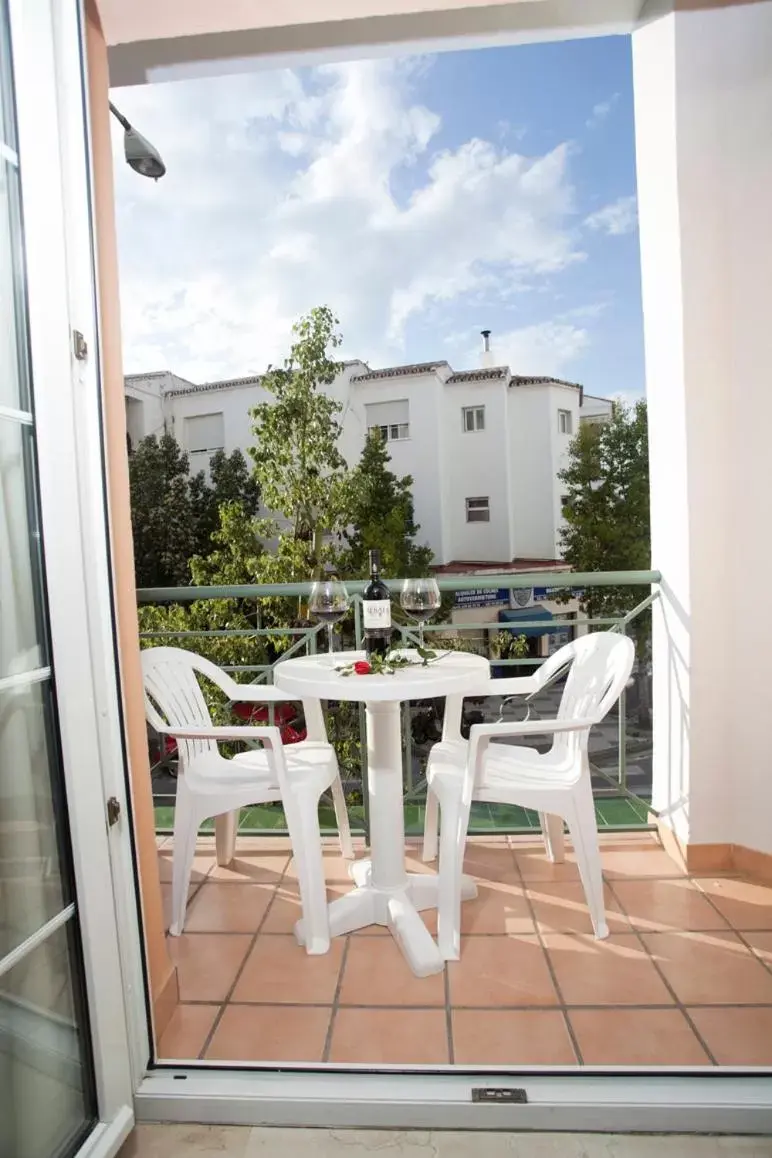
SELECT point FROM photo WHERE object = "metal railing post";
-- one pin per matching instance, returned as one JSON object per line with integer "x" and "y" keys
{"x": 623, "y": 729}
{"x": 358, "y": 639}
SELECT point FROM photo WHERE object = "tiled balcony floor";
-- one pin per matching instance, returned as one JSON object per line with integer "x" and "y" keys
{"x": 685, "y": 979}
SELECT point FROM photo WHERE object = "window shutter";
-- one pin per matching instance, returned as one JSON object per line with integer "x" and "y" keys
{"x": 205, "y": 432}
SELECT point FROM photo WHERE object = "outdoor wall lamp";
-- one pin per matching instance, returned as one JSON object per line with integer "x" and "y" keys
{"x": 140, "y": 154}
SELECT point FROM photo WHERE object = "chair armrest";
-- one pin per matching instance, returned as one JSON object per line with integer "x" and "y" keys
{"x": 266, "y": 734}
{"x": 480, "y": 735}
{"x": 516, "y": 685}
{"x": 513, "y": 686}
{"x": 269, "y": 736}
{"x": 529, "y": 727}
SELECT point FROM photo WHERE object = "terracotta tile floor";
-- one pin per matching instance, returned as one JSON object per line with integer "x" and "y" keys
{"x": 685, "y": 979}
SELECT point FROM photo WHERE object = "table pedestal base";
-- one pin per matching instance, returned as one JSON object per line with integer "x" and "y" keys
{"x": 397, "y": 909}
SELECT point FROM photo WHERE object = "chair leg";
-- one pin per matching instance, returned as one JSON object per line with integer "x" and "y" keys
{"x": 341, "y": 816}
{"x": 302, "y": 815}
{"x": 554, "y": 837}
{"x": 584, "y": 833}
{"x": 185, "y": 832}
{"x": 226, "y": 826}
{"x": 455, "y": 820}
{"x": 431, "y": 826}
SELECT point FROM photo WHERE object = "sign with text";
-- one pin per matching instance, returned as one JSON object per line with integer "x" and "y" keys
{"x": 480, "y": 597}
{"x": 542, "y": 593}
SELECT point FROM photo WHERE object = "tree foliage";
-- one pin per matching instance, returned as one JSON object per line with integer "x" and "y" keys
{"x": 230, "y": 481}
{"x": 380, "y": 514}
{"x": 298, "y": 467}
{"x": 607, "y": 521}
{"x": 606, "y": 509}
{"x": 162, "y": 513}
{"x": 174, "y": 516}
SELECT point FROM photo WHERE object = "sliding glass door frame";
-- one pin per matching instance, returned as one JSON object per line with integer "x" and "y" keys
{"x": 47, "y": 52}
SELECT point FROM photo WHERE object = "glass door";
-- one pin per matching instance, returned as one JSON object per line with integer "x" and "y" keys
{"x": 48, "y": 1101}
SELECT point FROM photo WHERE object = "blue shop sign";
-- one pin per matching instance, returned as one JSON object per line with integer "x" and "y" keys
{"x": 541, "y": 593}
{"x": 481, "y": 597}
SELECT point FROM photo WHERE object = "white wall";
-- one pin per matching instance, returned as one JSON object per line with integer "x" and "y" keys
{"x": 559, "y": 398}
{"x": 530, "y": 434}
{"x": 595, "y": 409}
{"x": 144, "y": 407}
{"x": 235, "y": 403}
{"x": 419, "y": 455}
{"x": 477, "y": 467}
{"x": 703, "y": 92}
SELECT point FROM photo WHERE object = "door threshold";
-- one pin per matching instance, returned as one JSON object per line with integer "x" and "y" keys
{"x": 722, "y": 1102}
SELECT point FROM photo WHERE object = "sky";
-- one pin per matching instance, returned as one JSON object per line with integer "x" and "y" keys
{"x": 423, "y": 198}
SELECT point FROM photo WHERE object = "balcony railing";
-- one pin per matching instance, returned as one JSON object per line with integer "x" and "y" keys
{"x": 620, "y": 749}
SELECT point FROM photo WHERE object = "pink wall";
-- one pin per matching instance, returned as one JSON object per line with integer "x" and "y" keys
{"x": 163, "y": 975}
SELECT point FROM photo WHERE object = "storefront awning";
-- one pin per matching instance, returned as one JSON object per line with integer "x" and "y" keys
{"x": 509, "y": 619}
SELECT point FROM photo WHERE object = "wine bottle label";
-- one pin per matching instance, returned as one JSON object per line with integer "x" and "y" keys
{"x": 376, "y": 614}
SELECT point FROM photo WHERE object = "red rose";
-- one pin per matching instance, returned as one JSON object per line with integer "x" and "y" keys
{"x": 362, "y": 667}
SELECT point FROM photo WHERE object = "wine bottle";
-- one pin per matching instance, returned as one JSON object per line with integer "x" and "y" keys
{"x": 376, "y": 606}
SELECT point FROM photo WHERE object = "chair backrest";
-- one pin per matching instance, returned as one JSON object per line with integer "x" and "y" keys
{"x": 173, "y": 695}
{"x": 599, "y": 666}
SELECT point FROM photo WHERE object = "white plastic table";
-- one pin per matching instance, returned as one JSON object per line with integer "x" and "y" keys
{"x": 385, "y": 894}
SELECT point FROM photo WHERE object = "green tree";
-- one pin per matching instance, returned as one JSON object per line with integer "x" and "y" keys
{"x": 235, "y": 549}
{"x": 298, "y": 467}
{"x": 230, "y": 481}
{"x": 606, "y": 512}
{"x": 174, "y": 517}
{"x": 233, "y": 559}
{"x": 162, "y": 516}
{"x": 380, "y": 514}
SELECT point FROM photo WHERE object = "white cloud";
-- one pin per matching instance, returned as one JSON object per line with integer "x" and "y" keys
{"x": 621, "y": 216}
{"x": 545, "y": 348}
{"x": 601, "y": 112}
{"x": 287, "y": 190}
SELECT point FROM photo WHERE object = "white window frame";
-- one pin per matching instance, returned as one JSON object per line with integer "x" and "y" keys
{"x": 474, "y": 506}
{"x": 56, "y": 199}
{"x": 565, "y": 422}
{"x": 477, "y": 414}
{"x": 392, "y": 431}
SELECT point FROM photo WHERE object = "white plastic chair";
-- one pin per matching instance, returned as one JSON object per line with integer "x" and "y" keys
{"x": 556, "y": 784}
{"x": 209, "y": 784}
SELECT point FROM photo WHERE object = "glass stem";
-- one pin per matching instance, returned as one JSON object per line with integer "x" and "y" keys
{"x": 329, "y": 635}
{"x": 421, "y": 633}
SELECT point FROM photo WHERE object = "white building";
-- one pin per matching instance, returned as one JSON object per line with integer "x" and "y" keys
{"x": 484, "y": 446}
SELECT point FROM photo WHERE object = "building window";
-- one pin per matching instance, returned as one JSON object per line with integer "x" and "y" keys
{"x": 478, "y": 510}
{"x": 205, "y": 433}
{"x": 390, "y": 419}
{"x": 473, "y": 418}
{"x": 394, "y": 432}
{"x": 565, "y": 501}
{"x": 565, "y": 422}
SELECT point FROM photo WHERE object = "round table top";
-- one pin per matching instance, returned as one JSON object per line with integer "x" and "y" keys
{"x": 456, "y": 673}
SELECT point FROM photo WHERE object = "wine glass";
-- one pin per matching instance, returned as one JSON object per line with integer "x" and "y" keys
{"x": 329, "y": 602}
{"x": 420, "y": 598}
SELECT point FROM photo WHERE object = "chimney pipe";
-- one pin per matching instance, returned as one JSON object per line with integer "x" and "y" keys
{"x": 487, "y": 356}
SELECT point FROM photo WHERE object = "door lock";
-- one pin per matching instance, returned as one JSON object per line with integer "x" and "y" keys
{"x": 79, "y": 346}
